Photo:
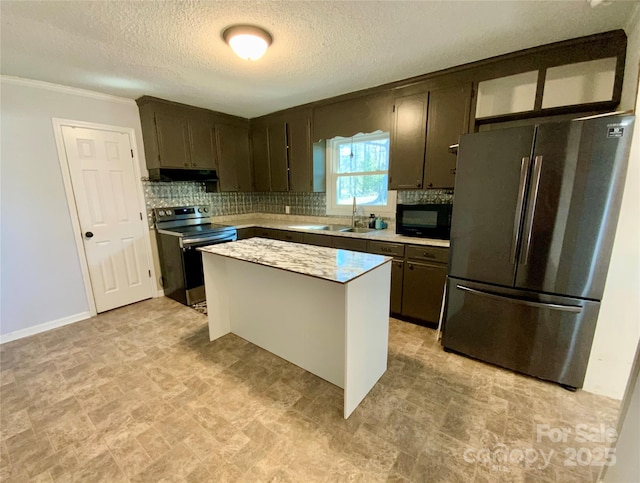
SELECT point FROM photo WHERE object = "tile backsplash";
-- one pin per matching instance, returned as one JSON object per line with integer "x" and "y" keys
{"x": 426, "y": 196}
{"x": 163, "y": 195}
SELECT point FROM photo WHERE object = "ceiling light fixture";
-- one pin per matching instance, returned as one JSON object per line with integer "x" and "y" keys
{"x": 247, "y": 41}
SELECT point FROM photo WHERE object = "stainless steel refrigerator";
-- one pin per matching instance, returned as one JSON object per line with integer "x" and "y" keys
{"x": 534, "y": 215}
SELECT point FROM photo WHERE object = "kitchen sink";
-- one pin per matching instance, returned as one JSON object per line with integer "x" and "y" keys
{"x": 333, "y": 228}
{"x": 310, "y": 227}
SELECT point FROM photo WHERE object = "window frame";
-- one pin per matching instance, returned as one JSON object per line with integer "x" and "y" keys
{"x": 332, "y": 157}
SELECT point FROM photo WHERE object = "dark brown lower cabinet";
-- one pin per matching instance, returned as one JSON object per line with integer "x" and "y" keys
{"x": 422, "y": 289}
{"x": 266, "y": 233}
{"x": 397, "y": 271}
{"x": 290, "y": 236}
{"x": 318, "y": 240}
{"x": 244, "y": 233}
{"x": 355, "y": 244}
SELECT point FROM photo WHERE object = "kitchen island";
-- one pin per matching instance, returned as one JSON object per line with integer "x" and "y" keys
{"x": 323, "y": 309}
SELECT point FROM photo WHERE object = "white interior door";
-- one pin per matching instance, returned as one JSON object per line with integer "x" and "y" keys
{"x": 103, "y": 179}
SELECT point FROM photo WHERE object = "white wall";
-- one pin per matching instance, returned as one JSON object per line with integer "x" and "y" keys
{"x": 627, "y": 467}
{"x": 618, "y": 328}
{"x": 41, "y": 281}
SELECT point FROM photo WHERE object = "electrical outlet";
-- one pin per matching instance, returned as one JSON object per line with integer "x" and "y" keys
{"x": 287, "y": 210}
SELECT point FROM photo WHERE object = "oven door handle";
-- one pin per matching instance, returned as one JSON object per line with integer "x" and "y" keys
{"x": 204, "y": 241}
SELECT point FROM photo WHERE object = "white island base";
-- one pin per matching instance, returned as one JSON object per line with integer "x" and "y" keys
{"x": 338, "y": 331}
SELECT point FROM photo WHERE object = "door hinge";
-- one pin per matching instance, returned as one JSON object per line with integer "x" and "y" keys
{"x": 141, "y": 215}
{"x": 132, "y": 153}
{"x": 149, "y": 273}
{"x": 394, "y": 108}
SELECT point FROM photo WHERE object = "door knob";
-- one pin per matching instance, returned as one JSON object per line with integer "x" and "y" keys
{"x": 88, "y": 234}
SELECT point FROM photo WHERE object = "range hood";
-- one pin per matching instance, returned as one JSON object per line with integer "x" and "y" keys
{"x": 167, "y": 174}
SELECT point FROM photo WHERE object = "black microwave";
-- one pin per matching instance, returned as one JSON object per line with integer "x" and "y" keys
{"x": 427, "y": 220}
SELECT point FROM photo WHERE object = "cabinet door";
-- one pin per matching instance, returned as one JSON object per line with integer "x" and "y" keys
{"x": 318, "y": 240}
{"x": 346, "y": 243}
{"x": 406, "y": 161}
{"x": 448, "y": 118}
{"x": 300, "y": 153}
{"x": 173, "y": 140}
{"x": 232, "y": 144}
{"x": 203, "y": 144}
{"x": 244, "y": 233}
{"x": 260, "y": 157}
{"x": 397, "y": 271}
{"x": 278, "y": 167}
{"x": 422, "y": 289}
{"x": 290, "y": 236}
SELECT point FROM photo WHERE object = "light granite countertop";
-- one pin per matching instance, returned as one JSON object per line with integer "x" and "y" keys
{"x": 339, "y": 266}
{"x": 285, "y": 222}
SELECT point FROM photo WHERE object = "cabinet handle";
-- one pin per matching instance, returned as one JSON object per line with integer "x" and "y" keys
{"x": 452, "y": 171}
{"x": 418, "y": 183}
{"x": 428, "y": 255}
{"x": 410, "y": 267}
{"x": 430, "y": 185}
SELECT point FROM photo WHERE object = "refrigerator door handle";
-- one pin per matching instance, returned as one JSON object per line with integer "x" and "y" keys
{"x": 524, "y": 169}
{"x": 533, "y": 197}
{"x": 529, "y": 303}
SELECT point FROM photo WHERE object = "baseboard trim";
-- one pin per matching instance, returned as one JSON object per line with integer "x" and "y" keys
{"x": 160, "y": 293}
{"x": 36, "y": 329}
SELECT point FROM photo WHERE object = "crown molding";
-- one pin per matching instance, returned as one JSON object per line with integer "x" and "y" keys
{"x": 49, "y": 86}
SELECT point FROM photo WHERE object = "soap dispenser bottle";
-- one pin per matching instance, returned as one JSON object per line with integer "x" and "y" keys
{"x": 372, "y": 220}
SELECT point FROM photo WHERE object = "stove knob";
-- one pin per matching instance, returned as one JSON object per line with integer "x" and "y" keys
{"x": 199, "y": 210}
{"x": 161, "y": 212}
{"x": 206, "y": 210}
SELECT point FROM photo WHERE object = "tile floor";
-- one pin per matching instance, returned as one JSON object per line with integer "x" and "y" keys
{"x": 140, "y": 394}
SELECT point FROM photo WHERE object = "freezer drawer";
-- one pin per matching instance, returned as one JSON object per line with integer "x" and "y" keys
{"x": 543, "y": 336}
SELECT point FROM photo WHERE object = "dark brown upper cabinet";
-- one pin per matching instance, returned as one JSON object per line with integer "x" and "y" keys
{"x": 260, "y": 155}
{"x": 202, "y": 142}
{"x": 234, "y": 160}
{"x": 172, "y": 135}
{"x": 406, "y": 161}
{"x": 424, "y": 126}
{"x": 278, "y": 165}
{"x": 306, "y": 159}
{"x": 448, "y": 118}
{"x": 183, "y": 137}
{"x": 177, "y": 137}
{"x": 346, "y": 118}
{"x": 284, "y": 159}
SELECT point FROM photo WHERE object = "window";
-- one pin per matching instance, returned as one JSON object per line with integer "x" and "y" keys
{"x": 359, "y": 167}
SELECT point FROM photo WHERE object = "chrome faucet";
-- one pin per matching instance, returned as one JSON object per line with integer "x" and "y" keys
{"x": 353, "y": 213}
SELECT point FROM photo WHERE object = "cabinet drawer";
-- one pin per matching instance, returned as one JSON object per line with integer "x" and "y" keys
{"x": 389, "y": 249}
{"x": 290, "y": 236}
{"x": 354, "y": 244}
{"x": 244, "y": 233}
{"x": 266, "y": 233}
{"x": 428, "y": 254}
{"x": 318, "y": 240}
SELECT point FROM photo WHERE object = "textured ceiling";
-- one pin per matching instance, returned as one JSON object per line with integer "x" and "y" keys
{"x": 321, "y": 49}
